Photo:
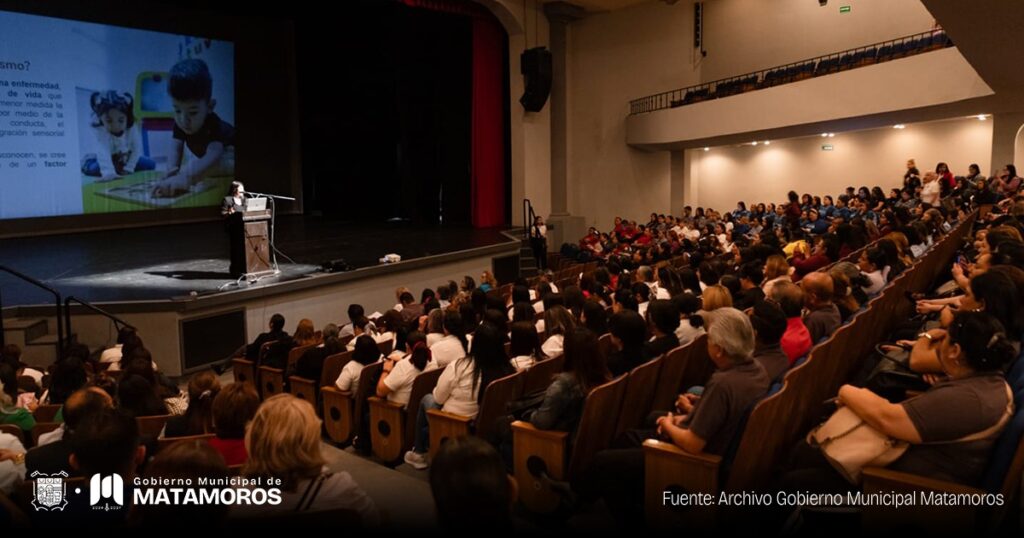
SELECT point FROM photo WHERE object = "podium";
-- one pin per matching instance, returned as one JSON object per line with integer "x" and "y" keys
{"x": 258, "y": 257}
{"x": 249, "y": 234}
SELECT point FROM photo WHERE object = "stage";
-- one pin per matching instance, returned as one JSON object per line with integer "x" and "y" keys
{"x": 160, "y": 278}
{"x": 183, "y": 260}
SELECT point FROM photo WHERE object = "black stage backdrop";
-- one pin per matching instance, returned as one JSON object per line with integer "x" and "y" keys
{"x": 385, "y": 95}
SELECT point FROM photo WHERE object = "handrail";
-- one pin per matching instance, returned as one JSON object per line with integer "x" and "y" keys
{"x": 118, "y": 322}
{"x": 57, "y": 305}
{"x": 761, "y": 79}
{"x": 528, "y": 217}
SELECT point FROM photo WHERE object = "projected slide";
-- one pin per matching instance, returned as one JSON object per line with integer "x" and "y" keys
{"x": 98, "y": 119}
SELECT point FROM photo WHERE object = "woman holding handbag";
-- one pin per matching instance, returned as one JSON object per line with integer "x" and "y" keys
{"x": 946, "y": 433}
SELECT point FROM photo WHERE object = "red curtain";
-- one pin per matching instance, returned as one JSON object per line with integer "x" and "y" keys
{"x": 487, "y": 176}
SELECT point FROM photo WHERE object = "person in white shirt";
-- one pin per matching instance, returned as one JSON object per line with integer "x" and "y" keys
{"x": 113, "y": 354}
{"x": 453, "y": 345}
{"x": 872, "y": 264}
{"x": 525, "y": 346}
{"x": 400, "y": 372}
{"x": 691, "y": 324}
{"x": 433, "y": 326}
{"x": 361, "y": 327}
{"x": 355, "y": 312}
{"x": 557, "y": 323}
{"x": 930, "y": 189}
{"x": 461, "y": 386}
{"x": 366, "y": 352}
{"x": 118, "y": 147}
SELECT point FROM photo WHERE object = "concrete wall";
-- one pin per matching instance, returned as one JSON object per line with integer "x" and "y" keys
{"x": 742, "y": 36}
{"x": 614, "y": 57}
{"x": 724, "y": 175}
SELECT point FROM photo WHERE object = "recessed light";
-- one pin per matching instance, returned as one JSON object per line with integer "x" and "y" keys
{"x": 823, "y": 135}
{"x": 707, "y": 149}
{"x": 899, "y": 126}
{"x": 831, "y": 135}
{"x": 754, "y": 143}
{"x": 982, "y": 117}
{"x": 767, "y": 142}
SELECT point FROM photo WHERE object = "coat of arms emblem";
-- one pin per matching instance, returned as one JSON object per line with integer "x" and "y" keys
{"x": 49, "y": 491}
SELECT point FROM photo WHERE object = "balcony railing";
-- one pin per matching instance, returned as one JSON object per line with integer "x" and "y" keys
{"x": 792, "y": 72}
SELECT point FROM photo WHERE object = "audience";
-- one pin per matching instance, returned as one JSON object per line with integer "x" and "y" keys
{"x": 461, "y": 386}
{"x": 283, "y": 442}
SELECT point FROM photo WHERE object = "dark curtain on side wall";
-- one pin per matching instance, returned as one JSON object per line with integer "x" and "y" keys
{"x": 488, "y": 128}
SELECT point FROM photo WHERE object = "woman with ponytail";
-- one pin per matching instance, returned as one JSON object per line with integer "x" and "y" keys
{"x": 399, "y": 372}
{"x": 198, "y": 418}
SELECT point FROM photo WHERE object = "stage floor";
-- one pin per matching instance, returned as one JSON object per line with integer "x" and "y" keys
{"x": 161, "y": 263}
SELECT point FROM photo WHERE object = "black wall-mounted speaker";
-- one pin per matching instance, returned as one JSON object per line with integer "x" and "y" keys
{"x": 535, "y": 65}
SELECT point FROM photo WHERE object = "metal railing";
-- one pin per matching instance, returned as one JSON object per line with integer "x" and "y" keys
{"x": 528, "y": 217}
{"x": 56, "y": 305}
{"x": 792, "y": 72}
{"x": 118, "y": 322}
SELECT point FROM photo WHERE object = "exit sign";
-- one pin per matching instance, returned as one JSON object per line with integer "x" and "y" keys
{"x": 826, "y": 147}
{"x": 844, "y": 9}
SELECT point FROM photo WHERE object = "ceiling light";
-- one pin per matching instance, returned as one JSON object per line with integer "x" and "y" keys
{"x": 707, "y": 149}
{"x": 899, "y": 126}
{"x": 982, "y": 117}
{"x": 754, "y": 143}
{"x": 823, "y": 135}
{"x": 831, "y": 135}
{"x": 767, "y": 142}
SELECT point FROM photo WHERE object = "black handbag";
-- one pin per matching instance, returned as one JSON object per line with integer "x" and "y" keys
{"x": 892, "y": 377}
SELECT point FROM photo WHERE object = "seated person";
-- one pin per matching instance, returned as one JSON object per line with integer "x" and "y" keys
{"x": 769, "y": 323}
{"x": 707, "y": 423}
{"x": 400, "y": 372}
{"x": 663, "y": 320}
{"x": 311, "y": 364}
{"x": 283, "y": 442}
{"x": 233, "y": 408}
{"x": 796, "y": 341}
{"x": 470, "y": 487}
{"x": 628, "y": 331}
{"x": 822, "y": 316}
{"x": 276, "y": 332}
{"x": 366, "y": 352}
{"x": 974, "y": 400}
{"x": 198, "y": 417}
{"x": 583, "y": 370}
{"x": 460, "y": 388}
{"x": 525, "y": 345}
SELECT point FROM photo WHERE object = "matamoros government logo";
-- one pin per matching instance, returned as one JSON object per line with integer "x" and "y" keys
{"x": 49, "y": 491}
{"x": 106, "y": 492}
{"x": 109, "y": 492}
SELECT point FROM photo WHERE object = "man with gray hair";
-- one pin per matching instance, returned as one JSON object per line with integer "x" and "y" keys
{"x": 706, "y": 423}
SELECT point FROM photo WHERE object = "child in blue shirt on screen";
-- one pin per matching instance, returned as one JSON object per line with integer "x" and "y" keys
{"x": 118, "y": 147}
{"x": 203, "y": 143}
